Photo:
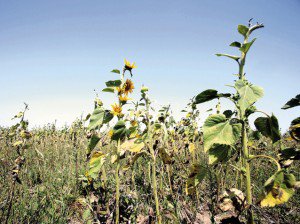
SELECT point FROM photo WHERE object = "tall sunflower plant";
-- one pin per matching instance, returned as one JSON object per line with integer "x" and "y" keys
{"x": 123, "y": 132}
{"x": 226, "y": 134}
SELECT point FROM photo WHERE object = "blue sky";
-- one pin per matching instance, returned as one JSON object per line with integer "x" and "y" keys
{"x": 53, "y": 54}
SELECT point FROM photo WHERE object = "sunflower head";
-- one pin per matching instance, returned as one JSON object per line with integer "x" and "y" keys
{"x": 133, "y": 123}
{"x": 116, "y": 110}
{"x": 110, "y": 133}
{"x": 124, "y": 98}
{"x": 128, "y": 86}
{"x": 128, "y": 66}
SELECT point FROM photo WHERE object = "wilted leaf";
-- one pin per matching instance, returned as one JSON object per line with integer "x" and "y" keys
{"x": 217, "y": 129}
{"x": 197, "y": 174}
{"x": 295, "y": 129}
{"x": 132, "y": 146}
{"x": 269, "y": 127}
{"x": 292, "y": 103}
{"x": 166, "y": 158}
{"x": 278, "y": 189}
{"x": 95, "y": 164}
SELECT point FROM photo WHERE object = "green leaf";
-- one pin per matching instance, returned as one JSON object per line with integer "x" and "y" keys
{"x": 113, "y": 83}
{"x": 243, "y": 30}
{"x": 219, "y": 153}
{"x": 108, "y": 116}
{"x": 217, "y": 129}
{"x": 292, "y": 103}
{"x": 249, "y": 94}
{"x": 92, "y": 143}
{"x": 87, "y": 214}
{"x": 269, "y": 127}
{"x": 245, "y": 47}
{"x": 208, "y": 95}
{"x": 96, "y": 119}
{"x": 197, "y": 174}
{"x": 108, "y": 90}
{"x": 235, "y": 44}
{"x": 229, "y": 56}
{"x": 116, "y": 71}
{"x": 119, "y": 130}
{"x": 99, "y": 117}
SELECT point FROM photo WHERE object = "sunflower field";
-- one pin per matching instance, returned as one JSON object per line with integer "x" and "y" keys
{"x": 130, "y": 163}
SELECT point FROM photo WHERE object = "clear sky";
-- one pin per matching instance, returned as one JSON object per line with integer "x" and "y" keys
{"x": 53, "y": 54}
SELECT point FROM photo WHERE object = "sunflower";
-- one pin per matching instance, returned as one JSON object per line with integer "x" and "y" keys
{"x": 133, "y": 123}
{"x": 128, "y": 66}
{"x": 128, "y": 86}
{"x": 110, "y": 133}
{"x": 116, "y": 110}
{"x": 124, "y": 98}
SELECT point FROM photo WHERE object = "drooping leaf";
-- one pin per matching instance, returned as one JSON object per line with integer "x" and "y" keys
{"x": 235, "y": 44}
{"x": 197, "y": 174}
{"x": 228, "y": 113}
{"x": 92, "y": 143}
{"x": 295, "y": 129}
{"x": 278, "y": 189}
{"x": 119, "y": 130}
{"x": 255, "y": 135}
{"x": 269, "y": 127}
{"x": 219, "y": 153}
{"x": 243, "y": 30}
{"x": 165, "y": 157}
{"x": 133, "y": 159}
{"x": 116, "y": 71}
{"x": 217, "y": 129}
{"x": 236, "y": 58}
{"x": 292, "y": 103}
{"x": 249, "y": 94}
{"x": 113, "y": 83}
{"x": 208, "y": 95}
{"x": 288, "y": 155}
{"x": 96, "y": 162}
{"x": 245, "y": 47}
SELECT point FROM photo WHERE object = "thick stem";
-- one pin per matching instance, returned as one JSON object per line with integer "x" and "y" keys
{"x": 248, "y": 172}
{"x": 154, "y": 183}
